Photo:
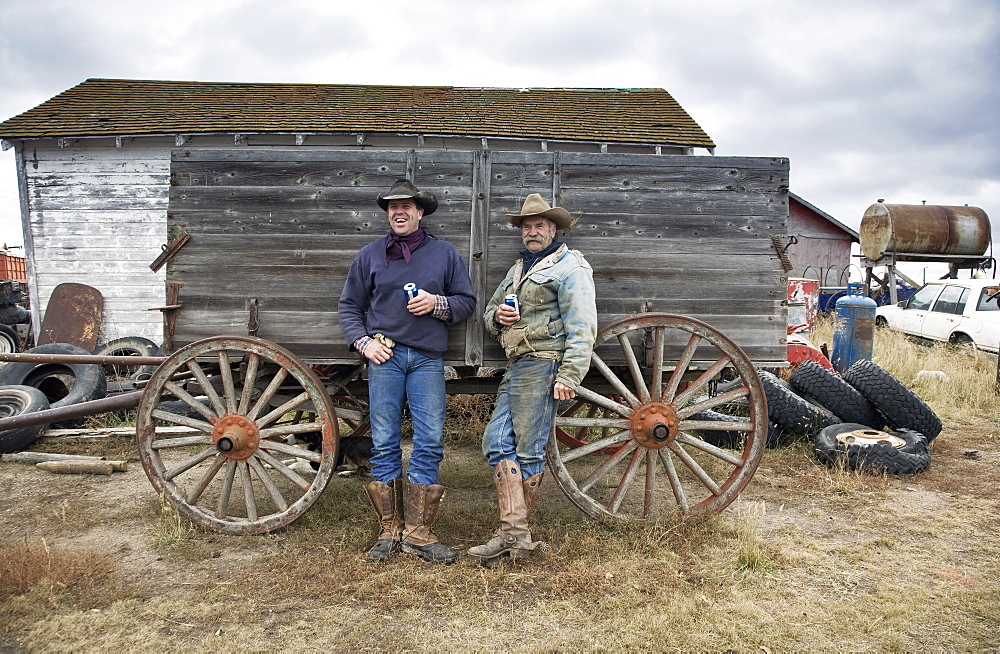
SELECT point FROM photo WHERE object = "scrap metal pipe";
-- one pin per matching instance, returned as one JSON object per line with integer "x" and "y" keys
{"x": 92, "y": 408}
{"x": 81, "y": 358}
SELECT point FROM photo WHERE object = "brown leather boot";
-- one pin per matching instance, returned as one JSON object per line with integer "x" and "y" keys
{"x": 513, "y": 536}
{"x": 387, "y": 499}
{"x": 531, "y": 486}
{"x": 422, "y": 505}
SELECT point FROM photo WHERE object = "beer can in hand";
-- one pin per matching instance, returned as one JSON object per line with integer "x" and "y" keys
{"x": 511, "y": 301}
{"x": 411, "y": 290}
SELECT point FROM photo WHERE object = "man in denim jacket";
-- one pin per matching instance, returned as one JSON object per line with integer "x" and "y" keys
{"x": 548, "y": 346}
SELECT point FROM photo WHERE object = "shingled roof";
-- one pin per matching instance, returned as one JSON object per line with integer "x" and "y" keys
{"x": 116, "y": 107}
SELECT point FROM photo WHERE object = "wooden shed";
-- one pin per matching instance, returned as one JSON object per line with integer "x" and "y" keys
{"x": 818, "y": 245}
{"x": 93, "y": 163}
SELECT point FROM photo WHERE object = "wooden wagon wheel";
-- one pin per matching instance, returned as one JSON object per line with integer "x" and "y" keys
{"x": 231, "y": 474}
{"x": 635, "y": 451}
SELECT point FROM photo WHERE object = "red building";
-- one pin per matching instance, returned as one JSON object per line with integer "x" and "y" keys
{"x": 818, "y": 245}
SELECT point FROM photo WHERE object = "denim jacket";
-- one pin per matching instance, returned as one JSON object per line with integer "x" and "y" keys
{"x": 558, "y": 313}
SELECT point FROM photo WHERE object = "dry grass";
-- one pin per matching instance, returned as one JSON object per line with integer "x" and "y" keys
{"x": 809, "y": 558}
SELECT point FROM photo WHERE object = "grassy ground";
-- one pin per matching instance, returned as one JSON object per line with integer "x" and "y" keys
{"x": 808, "y": 558}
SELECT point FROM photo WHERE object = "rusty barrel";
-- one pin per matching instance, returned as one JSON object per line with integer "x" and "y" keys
{"x": 924, "y": 229}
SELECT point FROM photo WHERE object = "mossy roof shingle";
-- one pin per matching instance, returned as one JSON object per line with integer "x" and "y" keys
{"x": 117, "y": 107}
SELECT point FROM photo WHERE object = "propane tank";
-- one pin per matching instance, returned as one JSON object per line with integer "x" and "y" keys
{"x": 854, "y": 328}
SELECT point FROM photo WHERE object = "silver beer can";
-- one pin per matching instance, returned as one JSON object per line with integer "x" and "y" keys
{"x": 411, "y": 290}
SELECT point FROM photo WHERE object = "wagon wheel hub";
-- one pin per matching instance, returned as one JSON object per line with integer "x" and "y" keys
{"x": 654, "y": 425}
{"x": 236, "y": 437}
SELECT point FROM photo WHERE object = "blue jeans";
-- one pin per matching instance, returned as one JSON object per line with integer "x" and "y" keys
{"x": 524, "y": 416}
{"x": 411, "y": 377}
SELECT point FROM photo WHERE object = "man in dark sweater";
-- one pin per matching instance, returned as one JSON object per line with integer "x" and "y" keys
{"x": 404, "y": 340}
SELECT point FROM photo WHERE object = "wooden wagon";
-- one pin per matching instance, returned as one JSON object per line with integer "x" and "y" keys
{"x": 690, "y": 291}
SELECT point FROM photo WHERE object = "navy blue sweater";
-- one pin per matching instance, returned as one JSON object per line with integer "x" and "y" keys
{"x": 373, "y": 301}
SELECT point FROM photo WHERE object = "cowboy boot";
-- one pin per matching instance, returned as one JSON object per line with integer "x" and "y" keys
{"x": 513, "y": 532}
{"x": 530, "y": 486}
{"x": 422, "y": 505}
{"x": 387, "y": 500}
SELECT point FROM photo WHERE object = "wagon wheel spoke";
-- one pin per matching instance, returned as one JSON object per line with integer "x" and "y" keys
{"x": 626, "y": 482}
{"x": 206, "y": 479}
{"x": 598, "y": 364}
{"x": 606, "y": 467}
{"x": 655, "y": 431}
{"x": 228, "y": 387}
{"x": 675, "y": 483}
{"x": 253, "y": 364}
{"x": 288, "y": 406}
{"x": 206, "y": 387}
{"x": 721, "y": 399}
{"x": 227, "y": 489}
{"x": 272, "y": 488}
{"x": 656, "y": 378}
{"x": 625, "y": 348}
{"x": 228, "y": 476}
{"x": 190, "y": 400}
{"x": 265, "y": 398}
{"x": 682, "y": 365}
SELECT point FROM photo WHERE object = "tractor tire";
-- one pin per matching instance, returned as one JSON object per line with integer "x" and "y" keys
{"x": 793, "y": 412}
{"x": 900, "y": 406}
{"x": 831, "y": 391}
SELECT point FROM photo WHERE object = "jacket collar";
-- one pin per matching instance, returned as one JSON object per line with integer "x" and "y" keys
{"x": 546, "y": 262}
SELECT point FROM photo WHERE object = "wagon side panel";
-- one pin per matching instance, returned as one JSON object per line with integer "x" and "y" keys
{"x": 684, "y": 235}
{"x": 282, "y": 227}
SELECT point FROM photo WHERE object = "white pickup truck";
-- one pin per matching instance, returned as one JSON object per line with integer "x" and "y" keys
{"x": 957, "y": 311}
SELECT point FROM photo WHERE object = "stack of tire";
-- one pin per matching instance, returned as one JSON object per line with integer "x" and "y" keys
{"x": 849, "y": 414}
{"x": 11, "y": 313}
{"x": 26, "y": 387}
{"x": 844, "y": 417}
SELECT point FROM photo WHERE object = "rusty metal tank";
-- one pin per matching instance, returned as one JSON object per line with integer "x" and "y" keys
{"x": 924, "y": 229}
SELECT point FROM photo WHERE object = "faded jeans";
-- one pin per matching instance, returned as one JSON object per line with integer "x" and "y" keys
{"x": 524, "y": 415}
{"x": 411, "y": 377}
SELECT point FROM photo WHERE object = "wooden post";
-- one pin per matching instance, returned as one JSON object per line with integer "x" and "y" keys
{"x": 77, "y": 467}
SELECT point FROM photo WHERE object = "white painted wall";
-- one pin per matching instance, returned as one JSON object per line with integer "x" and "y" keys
{"x": 97, "y": 216}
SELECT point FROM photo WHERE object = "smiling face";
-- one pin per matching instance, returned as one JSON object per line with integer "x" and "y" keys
{"x": 537, "y": 233}
{"x": 404, "y": 216}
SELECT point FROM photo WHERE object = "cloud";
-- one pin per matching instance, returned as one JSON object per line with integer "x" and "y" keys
{"x": 867, "y": 99}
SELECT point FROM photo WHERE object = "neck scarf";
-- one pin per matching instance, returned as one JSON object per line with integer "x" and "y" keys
{"x": 401, "y": 247}
{"x": 531, "y": 258}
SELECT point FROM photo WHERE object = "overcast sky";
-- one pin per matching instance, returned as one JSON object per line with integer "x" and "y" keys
{"x": 868, "y": 99}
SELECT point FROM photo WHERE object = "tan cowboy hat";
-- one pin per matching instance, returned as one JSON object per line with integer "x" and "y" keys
{"x": 403, "y": 189}
{"x": 535, "y": 205}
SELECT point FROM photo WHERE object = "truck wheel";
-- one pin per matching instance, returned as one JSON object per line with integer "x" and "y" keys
{"x": 830, "y": 390}
{"x": 898, "y": 404}
{"x": 15, "y": 401}
{"x": 857, "y": 447}
{"x": 127, "y": 346}
{"x": 9, "y": 342}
